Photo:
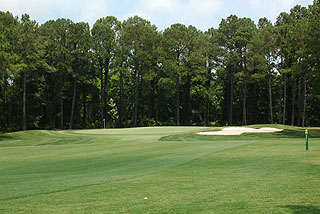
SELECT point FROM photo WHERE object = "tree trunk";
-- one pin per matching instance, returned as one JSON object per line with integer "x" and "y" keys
{"x": 48, "y": 110}
{"x": 151, "y": 109}
{"x": 270, "y": 98}
{"x": 5, "y": 107}
{"x": 136, "y": 98}
{"x": 102, "y": 117}
{"x": 73, "y": 103}
{"x": 206, "y": 102}
{"x": 106, "y": 89}
{"x": 294, "y": 89}
{"x": 280, "y": 101}
{"x": 61, "y": 100}
{"x": 121, "y": 96}
{"x": 231, "y": 100}
{"x": 157, "y": 106}
{"x": 178, "y": 101}
{"x": 244, "y": 107}
{"x": 188, "y": 96}
{"x": 300, "y": 103}
{"x": 84, "y": 102}
{"x": 284, "y": 99}
{"x": 24, "y": 102}
{"x": 152, "y": 101}
{"x": 206, "y": 109}
{"x": 305, "y": 99}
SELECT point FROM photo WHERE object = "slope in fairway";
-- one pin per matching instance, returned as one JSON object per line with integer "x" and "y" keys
{"x": 159, "y": 170}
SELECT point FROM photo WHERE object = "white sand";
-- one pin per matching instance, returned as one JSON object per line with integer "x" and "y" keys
{"x": 241, "y": 130}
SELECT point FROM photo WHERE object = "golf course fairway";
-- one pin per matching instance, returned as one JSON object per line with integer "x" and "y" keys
{"x": 159, "y": 170}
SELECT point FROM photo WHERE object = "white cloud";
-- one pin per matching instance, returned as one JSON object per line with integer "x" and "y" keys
{"x": 44, "y": 10}
{"x": 93, "y": 10}
{"x": 200, "y": 13}
{"x": 255, "y": 3}
{"x": 271, "y": 8}
{"x": 161, "y": 5}
{"x": 34, "y": 8}
{"x": 283, "y": 5}
{"x": 205, "y": 7}
{"x": 163, "y": 13}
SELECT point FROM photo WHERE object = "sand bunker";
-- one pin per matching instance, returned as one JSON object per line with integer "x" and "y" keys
{"x": 240, "y": 130}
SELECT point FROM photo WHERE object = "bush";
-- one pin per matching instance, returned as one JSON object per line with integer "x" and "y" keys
{"x": 148, "y": 122}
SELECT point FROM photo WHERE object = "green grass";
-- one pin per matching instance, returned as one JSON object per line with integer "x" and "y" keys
{"x": 113, "y": 171}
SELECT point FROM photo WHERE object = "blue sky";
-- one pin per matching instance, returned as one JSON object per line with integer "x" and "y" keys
{"x": 201, "y": 13}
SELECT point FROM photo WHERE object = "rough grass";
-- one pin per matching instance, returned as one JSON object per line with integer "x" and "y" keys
{"x": 159, "y": 170}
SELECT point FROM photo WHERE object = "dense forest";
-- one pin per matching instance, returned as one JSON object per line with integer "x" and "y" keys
{"x": 66, "y": 75}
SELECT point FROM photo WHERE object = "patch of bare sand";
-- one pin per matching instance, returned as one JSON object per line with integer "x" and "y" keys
{"x": 241, "y": 130}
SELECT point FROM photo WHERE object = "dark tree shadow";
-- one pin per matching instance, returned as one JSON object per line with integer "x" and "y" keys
{"x": 296, "y": 209}
{"x": 5, "y": 137}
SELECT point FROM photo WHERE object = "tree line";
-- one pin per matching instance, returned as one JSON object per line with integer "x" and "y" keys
{"x": 62, "y": 74}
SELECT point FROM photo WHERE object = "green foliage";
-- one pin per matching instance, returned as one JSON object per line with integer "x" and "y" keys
{"x": 113, "y": 113}
{"x": 63, "y": 74}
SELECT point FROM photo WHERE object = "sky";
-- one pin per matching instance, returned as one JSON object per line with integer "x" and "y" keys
{"x": 202, "y": 14}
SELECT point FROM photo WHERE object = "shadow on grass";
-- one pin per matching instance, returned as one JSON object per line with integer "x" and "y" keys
{"x": 313, "y": 133}
{"x": 5, "y": 137}
{"x": 296, "y": 209}
{"x": 286, "y": 133}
